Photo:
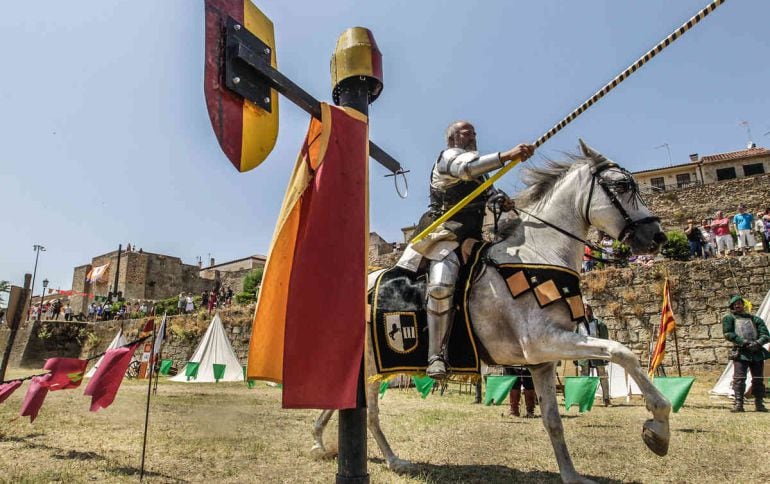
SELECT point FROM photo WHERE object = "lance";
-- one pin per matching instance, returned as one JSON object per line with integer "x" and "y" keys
{"x": 575, "y": 113}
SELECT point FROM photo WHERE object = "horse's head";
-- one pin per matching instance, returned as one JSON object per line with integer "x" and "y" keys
{"x": 615, "y": 206}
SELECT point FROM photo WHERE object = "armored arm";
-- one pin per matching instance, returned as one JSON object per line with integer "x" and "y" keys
{"x": 467, "y": 165}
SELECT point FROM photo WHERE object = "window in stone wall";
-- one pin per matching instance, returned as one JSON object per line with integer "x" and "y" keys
{"x": 658, "y": 183}
{"x": 683, "y": 180}
{"x": 753, "y": 169}
{"x": 726, "y": 173}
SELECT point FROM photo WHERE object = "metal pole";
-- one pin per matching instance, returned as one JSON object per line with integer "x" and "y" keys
{"x": 147, "y": 406}
{"x": 351, "y": 462}
{"x": 13, "y": 321}
{"x": 37, "y": 248}
{"x": 117, "y": 273}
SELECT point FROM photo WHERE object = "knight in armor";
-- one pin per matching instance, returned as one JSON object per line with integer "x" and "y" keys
{"x": 748, "y": 334}
{"x": 458, "y": 171}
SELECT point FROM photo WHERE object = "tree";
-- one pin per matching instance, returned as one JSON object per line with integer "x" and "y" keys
{"x": 251, "y": 285}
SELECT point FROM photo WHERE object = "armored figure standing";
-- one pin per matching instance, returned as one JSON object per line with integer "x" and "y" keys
{"x": 458, "y": 171}
{"x": 748, "y": 334}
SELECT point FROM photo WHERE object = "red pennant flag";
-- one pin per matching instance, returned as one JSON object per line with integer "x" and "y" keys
{"x": 667, "y": 326}
{"x": 65, "y": 373}
{"x": 6, "y": 389}
{"x": 33, "y": 400}
{"x": 147, "y": 329}
{"x": 310, "y": 320}
{"x": 104, "y": 385}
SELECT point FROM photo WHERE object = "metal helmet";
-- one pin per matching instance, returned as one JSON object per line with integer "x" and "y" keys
{"x": 357, "y": 55}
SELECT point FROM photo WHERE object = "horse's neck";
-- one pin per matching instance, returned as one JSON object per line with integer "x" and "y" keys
{"x": 545, "y": 245}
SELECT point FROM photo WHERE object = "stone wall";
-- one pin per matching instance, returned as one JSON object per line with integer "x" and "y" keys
{"x": 698, "y": 202}
{"x": 629, "y": 301}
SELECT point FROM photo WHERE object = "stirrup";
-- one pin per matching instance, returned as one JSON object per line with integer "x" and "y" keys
{"x": 436, "y": 367}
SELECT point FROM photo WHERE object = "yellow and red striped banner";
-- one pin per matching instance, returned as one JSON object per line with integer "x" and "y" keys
{"x": 667, "y": 326}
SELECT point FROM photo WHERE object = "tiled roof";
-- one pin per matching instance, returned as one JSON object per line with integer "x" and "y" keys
{"x": 736, "y": 155}
{"x": 660, "y": 168}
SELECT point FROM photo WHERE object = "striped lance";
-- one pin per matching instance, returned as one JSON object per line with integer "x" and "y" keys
{"x": 577, "y": 112}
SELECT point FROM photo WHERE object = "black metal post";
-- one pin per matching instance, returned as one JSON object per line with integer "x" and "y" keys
{"x": 351, "y": 462}
{"x": 117, "y": 273}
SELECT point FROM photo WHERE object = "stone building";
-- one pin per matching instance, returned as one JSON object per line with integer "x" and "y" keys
{"x": 141, "y": 275}
{"x": 708, "y": 169}
{"x": 148, "y": 276}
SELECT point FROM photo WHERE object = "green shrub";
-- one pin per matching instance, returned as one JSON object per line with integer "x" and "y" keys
{"x": 245, "y": 297}
{"x": 252, "y": 281}
{"x": 676, "y": 247}
{"x": 621, "y": 252}
{"x": 167, "y": 306}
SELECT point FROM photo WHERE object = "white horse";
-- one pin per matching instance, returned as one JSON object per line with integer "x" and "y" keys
{"x": 589, "y": 191}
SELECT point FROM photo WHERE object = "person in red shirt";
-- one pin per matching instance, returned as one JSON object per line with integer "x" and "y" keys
{"x": 724, "y": 239}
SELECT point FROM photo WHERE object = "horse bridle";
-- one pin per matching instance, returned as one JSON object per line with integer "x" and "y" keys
{"x": 608, "y": 186}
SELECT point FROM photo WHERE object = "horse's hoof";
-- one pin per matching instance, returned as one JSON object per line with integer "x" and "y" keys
{"x": 399, "y": 465}
{"x": 656, "y": 437}
{"x": 319, "y": 452}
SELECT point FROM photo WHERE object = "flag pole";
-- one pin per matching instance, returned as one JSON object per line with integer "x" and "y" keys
{"x": 676, "y": 348}
{"x": 147, "y": 407}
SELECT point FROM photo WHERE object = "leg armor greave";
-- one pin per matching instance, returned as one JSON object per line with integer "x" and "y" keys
{"x": 441, "y": 286}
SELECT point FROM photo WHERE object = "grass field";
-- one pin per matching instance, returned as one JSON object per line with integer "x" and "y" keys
{"x": 227, "y": 433}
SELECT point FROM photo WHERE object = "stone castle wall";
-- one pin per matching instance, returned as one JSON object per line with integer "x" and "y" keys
{"x": 698, "y": 202}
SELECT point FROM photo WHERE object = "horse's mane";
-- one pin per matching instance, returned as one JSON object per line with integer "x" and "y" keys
{"x": 540, "y": 180}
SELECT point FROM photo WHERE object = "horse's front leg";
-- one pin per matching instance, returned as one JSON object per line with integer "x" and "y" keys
{"x": 373, "y": 422}
{"x": 571, "y": 346}
{"x": 319, "y": 449}
{"x": 544, "y": 377}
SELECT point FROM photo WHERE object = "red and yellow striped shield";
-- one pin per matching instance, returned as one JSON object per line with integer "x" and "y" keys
{"x": 245, "y": 132}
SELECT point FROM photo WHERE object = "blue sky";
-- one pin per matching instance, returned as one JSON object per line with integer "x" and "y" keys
{"x": 104, "y": 136}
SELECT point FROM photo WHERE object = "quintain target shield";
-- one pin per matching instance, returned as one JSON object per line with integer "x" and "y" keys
{"x": 246, "y": 130}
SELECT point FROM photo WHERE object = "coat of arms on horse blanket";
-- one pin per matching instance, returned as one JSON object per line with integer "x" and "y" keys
{"x": 399, "y": 330}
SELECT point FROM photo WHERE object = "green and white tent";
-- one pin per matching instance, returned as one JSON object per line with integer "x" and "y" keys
{"x": 213, "y": 359}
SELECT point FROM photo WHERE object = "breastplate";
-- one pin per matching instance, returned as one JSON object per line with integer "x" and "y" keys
{"x": 744, "y": 327}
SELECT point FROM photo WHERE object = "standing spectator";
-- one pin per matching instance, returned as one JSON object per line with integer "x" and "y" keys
{"x": 595, "y": 328}
{"x": 180, "y": 305}
{"x": 143, "y": 309}
{"x": 107, "y": 310}
{"x": 99, "y": 312}
{"x": 694, "y": 238}
{"x": 121, "y": 314}
{"x": 189, "y": 305}
{"x": 588, "y": 262}
{"x": 709, "y": 247}
{"x": 56, "y": 310}
{"x": 766, "y": 231}
{"x": 204, "y": 299}
{"x": 91, "y": 312}
{"x": 724, "y": 239}
{"x": 747, "y": 333}
{"x": 212, "y": 300}
{"x": 743, "y": 222}
{"x": 759, "y": 230}
{"x": 68, "y": 312}
{"x": 524, "y": 381}
{"x": 606, "y": 244}
{"x": 229, "y": 295}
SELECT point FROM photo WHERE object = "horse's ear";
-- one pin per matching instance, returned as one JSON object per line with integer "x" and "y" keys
{"x": 591, "y": 153}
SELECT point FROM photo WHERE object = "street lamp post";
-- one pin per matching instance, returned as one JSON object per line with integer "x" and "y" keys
{"x": 40, "y": 312}
{"x": 37, "y": 248}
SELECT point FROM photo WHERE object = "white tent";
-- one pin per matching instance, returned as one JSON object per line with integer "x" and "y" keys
{"x": 117, "y": 341}
{"x": 724, "y": 386}
{"x": 214, "y": 348}
{"x": 621, "y": 385}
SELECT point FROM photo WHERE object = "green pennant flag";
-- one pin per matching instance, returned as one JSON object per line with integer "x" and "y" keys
{"x": 191, "y": 370}
{"x": 675, "y": 389}
{"x": 219, "y": 371}
{"x": 424, "y": 384}
{"x": 580, "y": 391}
{"x": 383, "y": 386}
{"x": 165, "y": 367}
{"x": 249, "y": 383}
{"x": 498, "y": 387}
